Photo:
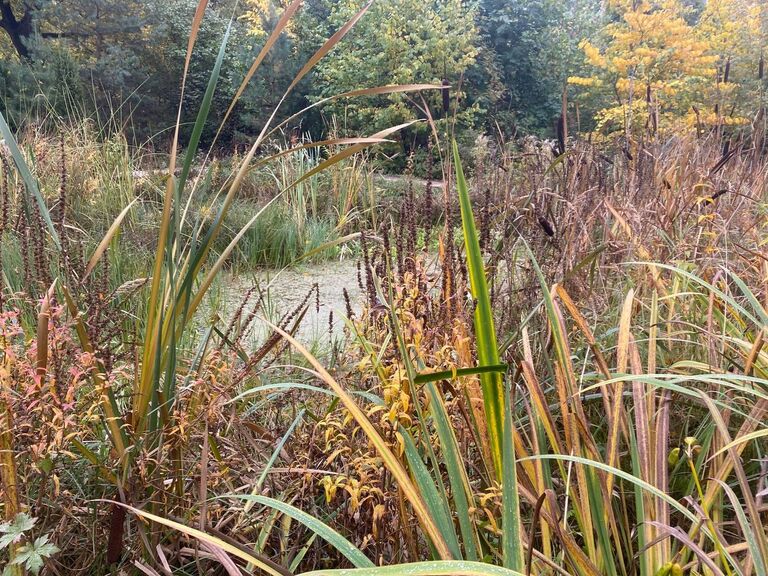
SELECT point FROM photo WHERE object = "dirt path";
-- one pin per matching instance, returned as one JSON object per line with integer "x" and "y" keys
{"x": 417, "y": 182}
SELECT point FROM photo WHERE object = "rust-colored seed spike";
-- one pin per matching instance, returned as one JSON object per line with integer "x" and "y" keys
{"x": 62, "y": 185}
{"x": 348, "y": 304}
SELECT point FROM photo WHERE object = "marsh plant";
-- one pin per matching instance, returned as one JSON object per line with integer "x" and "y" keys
{"x": 558, "y": 368}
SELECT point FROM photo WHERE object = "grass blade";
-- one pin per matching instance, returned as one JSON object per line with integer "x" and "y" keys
{"x": 512, "y": 537}
{"x": 207, "y": 538}
{"x": 327, "y": 533}
{"x": 487, "y": 349}
{"x": 104, "y": 244}
{"x": 436, "y": 568}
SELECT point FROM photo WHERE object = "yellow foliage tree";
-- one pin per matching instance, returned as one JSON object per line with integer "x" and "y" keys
{"x": 735, "y": 31}
{"x": 652, "y": 61}
{"x": 261, "y": 16}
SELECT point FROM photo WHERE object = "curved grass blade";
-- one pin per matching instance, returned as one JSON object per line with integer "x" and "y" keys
{"x": 435, "y": 568}
{"x": 376, "y": 91}
{"x": 205, "y": 284}
{"x": 349, "y": 550}
{"x": 104, "y": 244}
{"x": 436, "y": 502}
{"x": 624, "y": 476}
{"x": 202, "y": 113}
{"x": 498, "y": 412}
{"x": 274, "y": 35}
{"x": 275, "y": 453}
{"x": 203, "y": 537}
{"x": 751, "y": 531}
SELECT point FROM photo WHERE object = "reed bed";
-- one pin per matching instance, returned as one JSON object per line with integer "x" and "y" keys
{"x": 559, "y": 366}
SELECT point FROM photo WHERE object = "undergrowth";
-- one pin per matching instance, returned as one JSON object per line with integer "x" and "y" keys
{"x": 558, "y": 365}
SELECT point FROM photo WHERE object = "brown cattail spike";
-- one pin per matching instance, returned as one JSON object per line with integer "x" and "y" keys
{"x": 446, "y": 97}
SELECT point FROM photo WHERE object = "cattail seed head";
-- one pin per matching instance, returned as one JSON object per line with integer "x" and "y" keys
{"x": 446, "y": 90}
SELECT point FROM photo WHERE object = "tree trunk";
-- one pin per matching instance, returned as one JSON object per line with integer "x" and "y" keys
{"x": 19, "y": 30}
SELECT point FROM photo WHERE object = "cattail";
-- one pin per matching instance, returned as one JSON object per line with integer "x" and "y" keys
{"x": 761, "y": 66}
{"x": 116, "y": 529}
{"x": 726, "y": 148}
{"x": 546, "y": 226}
{"x": 717, "y": 194}
{"x": 727, "y": 72}
{"x": 560, "y": 130}
{"x": 446, "y": 90}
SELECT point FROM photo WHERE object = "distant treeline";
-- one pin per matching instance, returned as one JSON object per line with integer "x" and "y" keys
{"x": 512, "y": 66}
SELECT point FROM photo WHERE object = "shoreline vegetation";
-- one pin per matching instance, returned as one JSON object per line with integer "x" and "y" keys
{"x": 421, "y": 348}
